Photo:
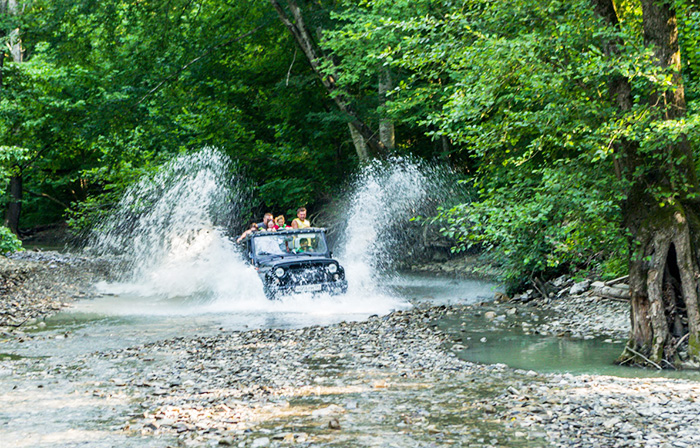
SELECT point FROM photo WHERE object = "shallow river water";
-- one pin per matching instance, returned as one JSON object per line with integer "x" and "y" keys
{"x": 52, "y": 398}
{"x": 113, "y": 321}
{"x": 190, "y": 281}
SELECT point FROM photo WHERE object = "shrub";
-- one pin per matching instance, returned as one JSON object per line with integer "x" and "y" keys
{"x": 8, "y": 241}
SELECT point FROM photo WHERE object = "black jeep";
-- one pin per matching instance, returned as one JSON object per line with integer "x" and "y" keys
{"x": 295, "y": 261}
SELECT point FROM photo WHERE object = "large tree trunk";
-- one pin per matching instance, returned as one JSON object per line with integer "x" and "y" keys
{"x": 14, "y": 208}
{"x": 296, "y": 25}
{"x": 663, "y": 265}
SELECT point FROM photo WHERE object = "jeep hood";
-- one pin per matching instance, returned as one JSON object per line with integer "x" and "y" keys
{"x": 296, "y": 261}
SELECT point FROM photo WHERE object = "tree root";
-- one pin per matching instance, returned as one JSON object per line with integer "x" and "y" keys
{"x": 637, "y": 354}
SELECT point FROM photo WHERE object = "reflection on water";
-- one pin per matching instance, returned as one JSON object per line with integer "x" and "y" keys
{"x": 488, "y": 344}
{"x": 544, "y": 354}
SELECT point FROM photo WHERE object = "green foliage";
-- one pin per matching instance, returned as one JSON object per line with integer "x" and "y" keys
{"x": 544, "y": 222}
{"x": 110, "y": 89}
{"x": 522, "y": 89}
{"x": 688, "y": 13}
{"x": 513, "y": 95}
{"x": 9, "y": 241}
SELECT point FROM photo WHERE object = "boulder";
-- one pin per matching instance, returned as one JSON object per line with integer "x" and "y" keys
{"x": 580, "y": 287}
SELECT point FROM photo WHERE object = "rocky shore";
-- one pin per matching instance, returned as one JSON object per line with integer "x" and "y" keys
{"x": 36, "y": 284}
{"x": 388, "y": 381}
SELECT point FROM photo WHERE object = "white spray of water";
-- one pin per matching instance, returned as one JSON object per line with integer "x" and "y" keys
{"x": 385, "y": 197}
{"x": 170, "y": 232}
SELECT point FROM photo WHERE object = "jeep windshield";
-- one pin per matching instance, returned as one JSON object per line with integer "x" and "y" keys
{"x": 312, "y": 243}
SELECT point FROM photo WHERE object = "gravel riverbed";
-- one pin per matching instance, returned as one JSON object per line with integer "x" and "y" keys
{"x": 391, "y": 380}
{"x": 36, "y": 284}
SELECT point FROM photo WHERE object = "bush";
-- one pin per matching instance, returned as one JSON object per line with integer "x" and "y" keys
{"x": 8, "y": 241}
{"x": 565, "y": 220}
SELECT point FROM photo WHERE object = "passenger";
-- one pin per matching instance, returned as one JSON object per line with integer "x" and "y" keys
{"x": 253, "y": 228}
{"x": 280, "y": 223}
{"x": 271, "y": 226}
{"x": 263, "y": 225}
{"x": 300, "y": 222}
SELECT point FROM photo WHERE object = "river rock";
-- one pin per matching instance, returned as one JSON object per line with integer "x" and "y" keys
{"x": 334, "y": 424}
{"x": 329, "y": 410}
{"x": 244, "y": 378}
{"x": 580, "y": 287}
{"x": 260, "y": 442}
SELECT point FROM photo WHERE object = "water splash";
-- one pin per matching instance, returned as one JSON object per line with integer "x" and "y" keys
{"x": 380, "y": 230}
{"x": 169, "y": 230}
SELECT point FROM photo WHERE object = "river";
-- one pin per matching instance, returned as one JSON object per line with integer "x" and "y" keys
{"x": 72, "y": 380}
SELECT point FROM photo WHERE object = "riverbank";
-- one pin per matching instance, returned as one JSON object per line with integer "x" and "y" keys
{"x": 390, "y": 380}
{"x": 37, "y": 284}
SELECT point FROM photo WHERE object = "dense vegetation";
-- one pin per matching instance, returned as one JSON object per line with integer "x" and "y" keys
{"x": 511, "y": 95}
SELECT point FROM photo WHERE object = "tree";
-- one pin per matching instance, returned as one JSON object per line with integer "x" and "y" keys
{"x": 13, "y": 40}
{"x": 324, "y": 66}
{"x": 661, "y": 211}
{"x": 581, "y": 138}
{"x": 147, "y": 80}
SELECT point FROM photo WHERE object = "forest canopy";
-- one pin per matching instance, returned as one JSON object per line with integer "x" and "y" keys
{"x": 512, "y": 96}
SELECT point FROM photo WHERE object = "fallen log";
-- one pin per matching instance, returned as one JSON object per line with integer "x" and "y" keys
{"x": 617, "y": 280}
{"x": 613, "y": 292}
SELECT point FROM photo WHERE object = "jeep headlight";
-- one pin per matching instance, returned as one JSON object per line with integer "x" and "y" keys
{"x": 332, "y": 268}
{"x": 279, "y": 272}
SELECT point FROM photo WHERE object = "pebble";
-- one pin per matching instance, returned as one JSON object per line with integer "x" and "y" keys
{"x": 260, "y": 442}
{"x": 31, "y": 289}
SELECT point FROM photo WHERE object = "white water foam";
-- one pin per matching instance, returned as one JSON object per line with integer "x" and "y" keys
{"x": 169, "y": 230}
{"x": 385, "y": 197}
{"x": 179, "y": 259}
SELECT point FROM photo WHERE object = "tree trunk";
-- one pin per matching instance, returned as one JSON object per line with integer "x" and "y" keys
{"x": 14, "y": 208}
{"x": 14, "y": 43}
{"x": 360, "y": 145}
{"x": 663, "y": 265}
{"x": 296, "y": 25}
{"x": 386, "y": 125}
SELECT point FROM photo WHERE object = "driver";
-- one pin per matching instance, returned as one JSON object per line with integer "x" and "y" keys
{"x": 304, "y": 245}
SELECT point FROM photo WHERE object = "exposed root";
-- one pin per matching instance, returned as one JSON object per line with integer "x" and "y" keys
{"x": 632, "y": 359}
